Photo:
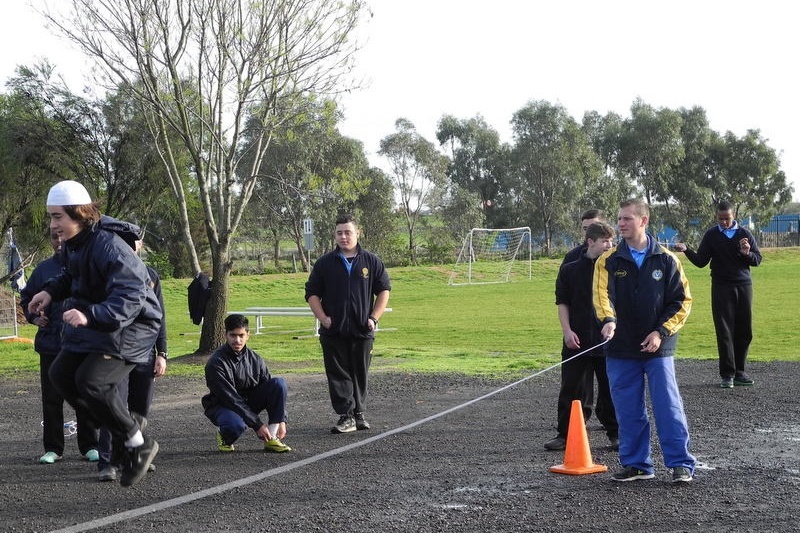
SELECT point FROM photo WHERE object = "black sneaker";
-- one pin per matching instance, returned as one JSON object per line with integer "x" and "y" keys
{"x": 630, "y": 473}
{"x": 681, "y": 474}
{"x": 726, "y": 383}
{"x": 742, "y": 380}
{"x": 614, "y": 443}
{"x": 558, "y": 443}
{"x": 346, "y": 424}
{"x": 137, "y": 462}
{"x": 361, "y": 422}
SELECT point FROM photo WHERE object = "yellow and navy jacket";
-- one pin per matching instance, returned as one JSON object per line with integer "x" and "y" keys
{"x": 654, "y": 297}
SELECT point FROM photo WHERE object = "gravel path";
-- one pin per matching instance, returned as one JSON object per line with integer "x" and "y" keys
{"x": 477, "y": 468}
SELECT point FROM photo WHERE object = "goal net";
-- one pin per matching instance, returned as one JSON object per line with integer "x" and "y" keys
{"x": 9, "y": 325}
{"x": 493, "y": 256}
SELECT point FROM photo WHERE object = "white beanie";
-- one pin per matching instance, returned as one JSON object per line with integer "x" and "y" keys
{"x": 68, "y": 192}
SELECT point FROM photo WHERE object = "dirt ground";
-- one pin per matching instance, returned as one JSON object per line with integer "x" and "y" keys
{"x": 429, "y": 464}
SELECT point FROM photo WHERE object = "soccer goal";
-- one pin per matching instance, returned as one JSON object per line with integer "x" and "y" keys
{"x": 493, "y": 256}
{"x": 9, "y": 326}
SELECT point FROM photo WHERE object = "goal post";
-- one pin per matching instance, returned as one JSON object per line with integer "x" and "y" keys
{"x": 493, "y": 255}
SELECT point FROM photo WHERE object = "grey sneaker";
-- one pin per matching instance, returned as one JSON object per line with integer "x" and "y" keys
{"x": 346, "y": 424}
{"x": 681, "y": 474}
{"x": 361, "y": 422}
{"x": 742, "y": 380}
{"x": 726, "y": 383}
{"x": 109, "y": 473}
{"x": 630, "y": 473}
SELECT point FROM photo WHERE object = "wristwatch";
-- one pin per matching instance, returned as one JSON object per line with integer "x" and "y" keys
{"x": 162, "y": 354}
{"x": 375, "y": 320}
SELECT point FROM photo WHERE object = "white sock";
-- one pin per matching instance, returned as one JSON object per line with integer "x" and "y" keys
{"x": 135, "y": 441}
{"x": 273, "y": 430}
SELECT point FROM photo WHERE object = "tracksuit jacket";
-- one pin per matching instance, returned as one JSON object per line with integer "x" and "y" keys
{"x": 654, "y": 297}
{"x": 109, "y": 283}
{"x": 229, "y": 377}
{"x": 348, "y": 299}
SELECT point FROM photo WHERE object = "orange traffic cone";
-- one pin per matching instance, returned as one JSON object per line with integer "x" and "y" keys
{"x": 577, "y": 456}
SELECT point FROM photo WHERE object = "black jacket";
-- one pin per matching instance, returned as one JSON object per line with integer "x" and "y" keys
{"x": 574, "y": 289}
{"x": 48, "y": 338}
{"x": 109, "y": 283}
{"x": 199, "y": 292}
{"x": 230, "y": 376}
{"x": 348, "y": 299}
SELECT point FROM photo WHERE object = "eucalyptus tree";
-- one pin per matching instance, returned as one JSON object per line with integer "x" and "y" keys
{"x": 310, "y": 170}
{"x": 478, "y": 158}
{"x": 26, "y": 171}
{"x": 202, "y": 68}
{"x": 751, "y": 178}
{"x": 419, "y": 173}
{"x": 650, "y": 148}
{"x": 552, "y": 160}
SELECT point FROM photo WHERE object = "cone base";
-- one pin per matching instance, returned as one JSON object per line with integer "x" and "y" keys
{"x": 578, "y": 470}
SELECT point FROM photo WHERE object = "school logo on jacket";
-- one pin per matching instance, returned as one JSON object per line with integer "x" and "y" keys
{"x": 621, "y": 273}
{"x": 657, "y": 274}
{"x": 365, "y": 273}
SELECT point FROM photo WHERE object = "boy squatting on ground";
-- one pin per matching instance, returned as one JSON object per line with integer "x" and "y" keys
{"x": 240, "y": 388}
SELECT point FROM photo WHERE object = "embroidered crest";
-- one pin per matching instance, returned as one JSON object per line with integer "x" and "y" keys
{"x": 657, "y": 274}
{"x": 621, "y": 273}
{"x": 365, "y": 273}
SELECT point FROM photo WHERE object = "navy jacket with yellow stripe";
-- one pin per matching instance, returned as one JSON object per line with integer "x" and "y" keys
{"x": 655, "y": 297}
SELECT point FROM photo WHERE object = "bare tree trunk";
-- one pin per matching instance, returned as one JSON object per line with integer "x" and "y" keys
{"x": 213, "y": 332}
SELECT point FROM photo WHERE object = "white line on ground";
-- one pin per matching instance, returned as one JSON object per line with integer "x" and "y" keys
{"x": 212, "y": 491}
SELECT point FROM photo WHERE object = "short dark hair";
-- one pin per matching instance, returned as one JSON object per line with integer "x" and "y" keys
{"x": 640, "y": 206}
{"x": 592, "y": 213}
{"x": 236, "y": 321}
{"x": 599, "y": 230}
{"x": 724, "y": 205}
{"x": 346, "y": 218}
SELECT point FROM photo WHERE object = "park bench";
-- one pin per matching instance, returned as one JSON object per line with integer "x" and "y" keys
{"x": 260, "y": 312}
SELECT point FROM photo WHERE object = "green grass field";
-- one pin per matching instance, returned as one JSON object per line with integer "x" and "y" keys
{"x": 496, "y": 329}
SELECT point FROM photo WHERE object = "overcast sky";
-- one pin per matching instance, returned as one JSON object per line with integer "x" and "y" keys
{"x": 425, "y": 58}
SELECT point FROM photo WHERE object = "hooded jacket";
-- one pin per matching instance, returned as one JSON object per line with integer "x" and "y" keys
{"x": 109, "y": 283}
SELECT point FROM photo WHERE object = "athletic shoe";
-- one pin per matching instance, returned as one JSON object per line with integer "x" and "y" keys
{"x": 742, "y": 380}
{"x": 222, "y": 446}
{"x": 346, "y": 424}
{"x": 108, "y": 473}
{"x": 630, "y": 473}
{"x": 614, "y": 442}
{"x": 558, "y": 443}
{"x": 49, "y": 458}
{"x": 681, "y": 474}
{"x": 361, "y": 422}
{"x": 92, "y": 456}
{"x": 726, "y": 383}
{"x": 137, "y": 461}
{"x": 276, "y": 446}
